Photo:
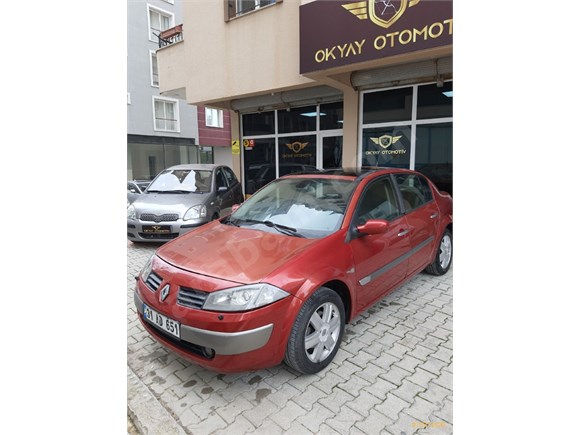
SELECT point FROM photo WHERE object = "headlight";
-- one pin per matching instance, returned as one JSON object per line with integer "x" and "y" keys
{"x": 147, "y": 268}
{"x": 195, "y": 212}
{"x": 131, "y": 212}
{"x": 244, "y": 298}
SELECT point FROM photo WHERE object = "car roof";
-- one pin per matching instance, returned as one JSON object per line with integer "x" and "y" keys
{"x": 349, "y": 173}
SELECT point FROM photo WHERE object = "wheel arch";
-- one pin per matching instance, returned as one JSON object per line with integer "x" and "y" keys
{"x": 343, "y": 291}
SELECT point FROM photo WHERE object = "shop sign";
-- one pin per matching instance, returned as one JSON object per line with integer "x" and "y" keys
{"x": 249, "y": 144}
{"x": 337, "y": 33}
{"x": 235, "y": 147}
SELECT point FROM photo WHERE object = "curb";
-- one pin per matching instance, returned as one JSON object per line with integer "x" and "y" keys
{"x": 148, "y": 415}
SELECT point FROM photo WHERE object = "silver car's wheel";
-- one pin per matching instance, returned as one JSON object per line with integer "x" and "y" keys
{"x": 322, "y": 332}
{"x": 317, "y": 332}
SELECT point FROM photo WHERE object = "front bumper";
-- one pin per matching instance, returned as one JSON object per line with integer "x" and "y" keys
{"x": 136, "y": 229}
{"x": 222, "y": 343}
{"x": 226, "y": 342}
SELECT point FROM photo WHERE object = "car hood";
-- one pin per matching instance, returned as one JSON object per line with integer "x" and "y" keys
{"x": 157, "y": 203}
{"x": 240, "y": 255}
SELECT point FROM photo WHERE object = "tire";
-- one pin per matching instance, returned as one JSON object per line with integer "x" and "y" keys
{"x": 322, "y": 319}
{"x": 444, "y": 256}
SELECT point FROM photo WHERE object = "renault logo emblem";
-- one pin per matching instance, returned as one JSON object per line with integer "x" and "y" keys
{"x": 164, "y": 292}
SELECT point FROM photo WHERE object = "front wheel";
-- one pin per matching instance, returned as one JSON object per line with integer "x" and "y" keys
{"x": 442, "y": 261}
{"x": 316, "y": 333}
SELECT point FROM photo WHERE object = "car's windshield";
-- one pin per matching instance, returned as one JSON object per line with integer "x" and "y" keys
{"x": 182, "y": 180}
{"x": 312, "y": 207}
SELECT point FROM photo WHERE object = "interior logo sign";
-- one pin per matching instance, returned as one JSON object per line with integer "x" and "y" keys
{"x": 386, "y": 140}
{"x": 383, "y": 13}
{"x": 297, "y": 146}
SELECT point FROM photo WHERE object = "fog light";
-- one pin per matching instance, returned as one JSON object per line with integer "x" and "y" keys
{"x": 207, "y": 352}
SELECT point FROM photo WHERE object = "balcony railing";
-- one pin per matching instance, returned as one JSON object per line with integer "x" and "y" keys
{"x": 170, "y": 36}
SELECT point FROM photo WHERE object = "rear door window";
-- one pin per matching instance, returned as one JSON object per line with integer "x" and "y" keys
{"x": 414, "y": 191}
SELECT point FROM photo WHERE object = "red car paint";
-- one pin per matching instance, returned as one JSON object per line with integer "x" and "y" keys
{"x": 218, "y": 256}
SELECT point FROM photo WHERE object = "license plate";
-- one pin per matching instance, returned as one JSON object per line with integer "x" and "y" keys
{"x": 157, "y": 229}
{"x": 159, "y": 320}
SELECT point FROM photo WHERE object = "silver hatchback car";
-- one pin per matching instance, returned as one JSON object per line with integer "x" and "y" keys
{"x": 180, "y": 199}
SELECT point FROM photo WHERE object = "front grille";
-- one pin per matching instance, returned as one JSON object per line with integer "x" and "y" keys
{"x": 150, "y": 217}
{"x": 191, "y": 298}
{"x": 158, "y": 236}
{"x": 153, "y": 281}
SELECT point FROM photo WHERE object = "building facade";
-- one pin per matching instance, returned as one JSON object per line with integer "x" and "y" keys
{"x": 321, "y": 83}
{"x": 162, "y": 130}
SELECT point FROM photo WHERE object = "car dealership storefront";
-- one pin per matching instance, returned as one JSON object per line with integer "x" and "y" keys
{"x": 403, "y": 112}
{"x": 368, "y": 83}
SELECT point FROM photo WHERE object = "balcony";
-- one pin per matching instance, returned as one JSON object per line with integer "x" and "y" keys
{"x": 170, "y": 36}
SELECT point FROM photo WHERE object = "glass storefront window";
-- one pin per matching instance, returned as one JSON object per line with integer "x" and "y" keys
{"x": 297, "y": 119}
{"x": 434, "y": 102}
{"x": 297, "y": 154}
{"x": 434, "y": 154}
{"x": 255, "y": 124}
{"x": 148, "y": 160}
{"x": 206, "y": 155}
{"x": 387, "y": 146}
{"x": 388, "y": 106}
{"x": 259, "y": 164}
{"x": 331, "y": 152}
{"x": 331, "y": 116}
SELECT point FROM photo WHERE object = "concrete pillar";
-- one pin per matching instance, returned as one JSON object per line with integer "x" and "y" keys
{"x": 235, "y": 119}
{"x": 350, "y": 146}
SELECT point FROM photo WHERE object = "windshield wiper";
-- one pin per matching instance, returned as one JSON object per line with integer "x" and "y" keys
{"x": 289, "y": 231}
{"x": 171, "y": 191}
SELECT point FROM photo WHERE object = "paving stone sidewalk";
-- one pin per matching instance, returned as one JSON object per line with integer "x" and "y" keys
{"x": 392, "y": 375}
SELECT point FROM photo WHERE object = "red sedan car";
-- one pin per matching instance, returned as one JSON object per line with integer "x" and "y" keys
{"x": 278, "y": 279}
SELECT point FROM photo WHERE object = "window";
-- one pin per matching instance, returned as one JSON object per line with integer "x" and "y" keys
{"x": 378, "y": 202}
{"x": 166, "y": 114}
{"x": 235, "y": 8}
{"x": 220, "y": 179}
{"x": 154, "y": 70}
{"x": 297, "y": 119}
{"x": 434, "y": 154}
{"x": 159, "y": 20}
{"x": 258, "y": 123}
{"x": 413, "y": 191}
{"x": 388, "y": 106}
{"x": 230, "y": 176}
{"x": 331, "y": 116}
{"x": 387, "y": 146}
{"x": 214, "y": 117}
{"x": 206, "y": 155}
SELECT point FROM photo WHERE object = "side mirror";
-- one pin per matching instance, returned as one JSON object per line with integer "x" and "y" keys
{"x": 235, "y": 207}
{"x": 373, "y": 226}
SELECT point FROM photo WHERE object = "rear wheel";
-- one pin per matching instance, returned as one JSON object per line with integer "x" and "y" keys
{"x": 442, "y": 261}
{"x": 316, "y": 333}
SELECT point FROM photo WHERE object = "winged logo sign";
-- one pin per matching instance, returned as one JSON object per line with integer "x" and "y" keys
{"x": 386, "y": 140}
{"x": 383, "y": 13}
{"x": 297, "y": 146}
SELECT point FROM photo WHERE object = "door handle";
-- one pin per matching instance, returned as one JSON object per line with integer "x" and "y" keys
{"x": 402, "y": 233}
{"x": 434, "y": 215}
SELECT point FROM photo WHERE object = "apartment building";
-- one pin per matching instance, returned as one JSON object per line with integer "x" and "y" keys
{"x": 163, "y": 130}
{"x": 321, "y": 83}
